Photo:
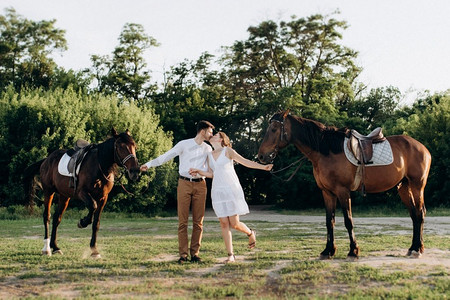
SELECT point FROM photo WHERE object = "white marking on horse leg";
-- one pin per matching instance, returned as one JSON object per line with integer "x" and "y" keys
{"x": 415, "y": 254}
{"x": 47, "y": 250}
{"x": 95, "y": 253}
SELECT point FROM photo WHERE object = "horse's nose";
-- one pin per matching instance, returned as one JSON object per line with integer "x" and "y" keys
{"x": 261, "y": 158}
{"x": 134, "y": 173}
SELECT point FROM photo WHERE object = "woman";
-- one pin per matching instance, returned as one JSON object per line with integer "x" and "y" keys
{"x": 227, "y": 196}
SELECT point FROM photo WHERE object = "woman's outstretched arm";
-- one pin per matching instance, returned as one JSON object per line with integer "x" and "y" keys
{"x": 232, "y": 154}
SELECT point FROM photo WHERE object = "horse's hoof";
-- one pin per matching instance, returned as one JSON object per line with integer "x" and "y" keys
{"x": 48, "y": 253}
{"x": 96, "y": 255}
{"x": 414, "y": 254}
{"x": 80, "y": 225}
{"x": 58, "y": 252}
{"x": 325, "y": 257}
{"x": 352, "y": 258}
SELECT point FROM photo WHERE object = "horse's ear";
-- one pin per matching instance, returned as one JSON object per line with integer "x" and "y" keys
{"x": 114, "y": 132}
{"x": 128, "y": 132}
{"x": 286, "y": 113}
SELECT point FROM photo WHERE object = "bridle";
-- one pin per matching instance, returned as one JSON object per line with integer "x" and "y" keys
{"x": 121, "y": 162}
{"x": 283, "y": 137}
{"x": 283, "y": 134}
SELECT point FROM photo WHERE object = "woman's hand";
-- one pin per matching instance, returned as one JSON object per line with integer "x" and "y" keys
{"x": 193, "y": 172}
{"x": 268, "y": 167}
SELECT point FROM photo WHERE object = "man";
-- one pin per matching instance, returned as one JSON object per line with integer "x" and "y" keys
{"x": 191, "y": 190}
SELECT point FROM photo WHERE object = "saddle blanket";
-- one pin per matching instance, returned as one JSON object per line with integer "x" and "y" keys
{"x": 63, "y": 166}
{"x": 382, "y": 154}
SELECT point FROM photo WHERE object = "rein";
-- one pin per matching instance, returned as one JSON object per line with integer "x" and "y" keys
{"x": 113, "y": 180}
{"x": 299, "y": 162}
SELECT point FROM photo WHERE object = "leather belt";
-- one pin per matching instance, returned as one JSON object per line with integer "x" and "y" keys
{"x": 191, "y": 179}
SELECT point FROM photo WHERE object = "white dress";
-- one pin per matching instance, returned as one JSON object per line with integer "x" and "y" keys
{"x": 226, "y": 192}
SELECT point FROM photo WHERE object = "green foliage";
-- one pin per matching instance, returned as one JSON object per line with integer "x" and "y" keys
{"x": 429, "y": 123}
{"x": 35, "y": 123}
{"x": 25, "y": 48}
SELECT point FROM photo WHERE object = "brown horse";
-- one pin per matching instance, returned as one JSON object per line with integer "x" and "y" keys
{"x": 95, "y": 181}
{"x": 335, "y": 175}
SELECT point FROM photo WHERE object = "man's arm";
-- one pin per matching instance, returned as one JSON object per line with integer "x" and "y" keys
{"x": 175, "y": 151}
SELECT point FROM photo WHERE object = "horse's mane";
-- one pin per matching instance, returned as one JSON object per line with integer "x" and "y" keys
{"x": 317, "y": 136}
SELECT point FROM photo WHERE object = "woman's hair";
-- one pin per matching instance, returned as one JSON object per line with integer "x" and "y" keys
{"x": 225, "y": 139}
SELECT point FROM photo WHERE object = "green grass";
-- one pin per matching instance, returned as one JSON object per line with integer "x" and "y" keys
{"x": 138, "y": 261}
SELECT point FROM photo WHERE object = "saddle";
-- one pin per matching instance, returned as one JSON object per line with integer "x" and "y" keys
{"x": 361, "y": 145}
{"x": 80, "y": 149}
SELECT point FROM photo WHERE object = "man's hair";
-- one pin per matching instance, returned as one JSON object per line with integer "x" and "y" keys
{"x": 204, "y": 125}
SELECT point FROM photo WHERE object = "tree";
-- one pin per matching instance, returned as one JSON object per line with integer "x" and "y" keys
{"x": 377, "y": 108}
{"x": 429, "y": 122}
{"x": 66, "y": 79}
{"x": 125, "y": 73}
{"x": 25, "y": 50}
{"x": 303, "y": 57}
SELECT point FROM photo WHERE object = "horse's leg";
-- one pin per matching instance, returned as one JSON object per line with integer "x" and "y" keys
{"x": 330, "y": 207}
{"x": 412, "y": 197}
{"x": 345, "y": 201}
{"x": 57, "y": 216}
{"x": 92, "y": 207}
{"x": 96, "y": 227}
{"x": 48, "y": 198}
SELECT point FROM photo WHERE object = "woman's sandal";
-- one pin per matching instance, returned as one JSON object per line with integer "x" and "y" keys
{"x": 231, "y": 259}
{"x": 252, "y": 244}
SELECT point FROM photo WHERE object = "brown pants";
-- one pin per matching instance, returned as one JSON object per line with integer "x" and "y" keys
{"x": 190, "y": 193}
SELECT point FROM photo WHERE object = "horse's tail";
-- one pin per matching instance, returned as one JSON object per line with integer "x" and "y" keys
{"x": 28, "y": 182}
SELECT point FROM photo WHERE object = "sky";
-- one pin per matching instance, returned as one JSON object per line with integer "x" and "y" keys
{"x": 403, "y": 43}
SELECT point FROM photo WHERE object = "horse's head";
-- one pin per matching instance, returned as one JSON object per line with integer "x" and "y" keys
{"x": 276, "y": 137}
{"x": 125, "y": 153}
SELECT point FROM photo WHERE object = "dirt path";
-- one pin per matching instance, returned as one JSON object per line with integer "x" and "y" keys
{"x": 374, "y": 225}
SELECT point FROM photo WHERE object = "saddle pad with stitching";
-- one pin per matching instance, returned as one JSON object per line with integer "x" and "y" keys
{"x": 62, "y": 165}
{"x": 382, "y": 154}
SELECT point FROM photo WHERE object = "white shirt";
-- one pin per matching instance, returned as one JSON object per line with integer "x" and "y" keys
{"x": 192, "y": 155}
